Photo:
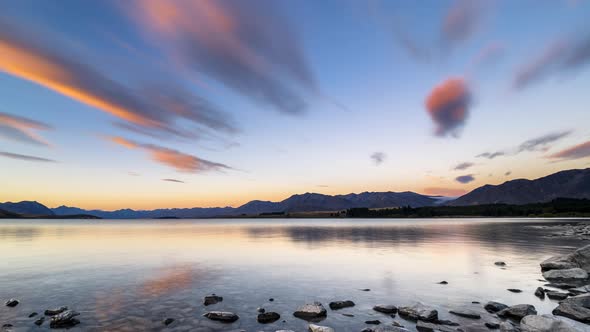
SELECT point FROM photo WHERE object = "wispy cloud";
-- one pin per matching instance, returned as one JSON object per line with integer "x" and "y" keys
{"x": 575, "y": 152}
{"x": 465, "y": 178}
{"x": 182, "y": 162}
{"x": 541, "y": 143}
{"x": 508, "y": 173}
{"x": 22, "y": 129}
{"x": 463, "y": 166}
{"x": 248, "y": 46}
{"x": 25, "y": 157}
{"x": 448, "y": 105}
{"x": 173, "y": 180}
{"x": 152, "y": 105}
{"x": 461, "y": 21}
{"x": 378, "y": 157}
{"x": 559, "y": 56}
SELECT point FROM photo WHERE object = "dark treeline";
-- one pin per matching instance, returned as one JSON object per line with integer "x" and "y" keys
{"x": 559, "y": 207}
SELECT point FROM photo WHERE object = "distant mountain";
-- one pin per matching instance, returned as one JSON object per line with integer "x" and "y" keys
{"x": 27, "y": 208}
{"x": 8, "y": 214}
{"x": 297, "y": 203}
{"x": 573, "y": 183}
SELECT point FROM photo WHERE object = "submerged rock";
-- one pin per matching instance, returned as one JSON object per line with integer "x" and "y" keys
{"x": 518, "y": 311}
{"x": 341, "y": 304}
{"x": 168, "y": 321}
{"x": 55, "y": 311}
{"x": 373, "y": 322}
{"x": 467, "y": 313}
{"x": 493, "y": 307}
{"x": 554, "y": 295}
{"x": 568, "y": 274}
{"x": 39, "y": 321}
{"x": 11, "y": 303}
{"x": 64, "y": 319}
{"x": 319, "y": 328}
{"x": 33, "y": 314}
{"x": 419, "y": 312}
{"x": 268, "y": 317}
{"x": 222, "y": 316}
{"x": 385, "y": 308}
{"x": 444, "y": 282}
{"x": 310, "y": 311}
{"x": 545, "y": 323}
{"x": 540, "y": 293}
{"x": 212, "y": 299}
{"x": 500, "y": 263}
{"x": 514, "y": 290}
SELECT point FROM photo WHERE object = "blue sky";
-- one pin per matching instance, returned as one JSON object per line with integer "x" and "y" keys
{"x": 241, "y": 100}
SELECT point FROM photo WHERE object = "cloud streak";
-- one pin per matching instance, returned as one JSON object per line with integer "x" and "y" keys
{"x": 448, "y": 105}
{"x": 575, "y": 152}
{"x": 150, "y": 105}
{"x": 559, "y": 56}
{"x": 25, "y": 157}
{"x": 180, "y": 161}
{"x": 465, "y": 178}
{"x": 173, "y": 180}
{"x": 461, "y": 21}
{"x": 540, "y": 143}
{"x": 247, "y": 46}
{"x": 463, "y": 166}
{"x": 22, "y": 129}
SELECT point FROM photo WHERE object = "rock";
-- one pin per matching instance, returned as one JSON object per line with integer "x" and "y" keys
{"x": 492, "y": 323}
{"x": 168, "y": 321}
{"x": 444, "y": 282}
{"x": 348, "y": 315}
{"x": 446, "y": 322}
{"x": 260, "y": 310}
{"x": 6, "y": 326}
{"x": 540, "y": 292}
{"x": 545, "y": 323}
{"x": 39, "y": 321}
{"x": 64, "y": 320}
{"x": 212, "y": 299}
{"x": 580, "y": 300}
{"x": 423, "y": 326}
{"x": 518, "y": 311}
{"x": 493, "y": 307}
{"x": 558, "y": 263}
{"x": 271, "y": 299}
{"x": 581, "y": 257}
{"x": 367, "y": 329}
{"x": 53, "y": 312}
{"x": 33, "y": 314}
{"x": 579, "y": 290}
{"x": 341, "y": 304}
{"x": 467, "y": 313}
{"x": 573, "y": 311}
{"x": 318, "y": 328}
{"x": 514, "y": 290}
{"x": 562, "y": 285}
{"x": 507, "y": 327}
{"x": 569, "y": 274}
{"x": 268, "y": 317}
{"x": 365, "y": 290}
{"x": 387, "y": 328}
{"x": 385, "y": 308}
{"x": 500, "y": 264}
{"x": 11, "y": 303}
{"x": 222, "y": 316}
{"x": 373, "y": 322}
{"x": 419, "y": 312}
{"x": 554, "y": 295}
{"x": 310, "y": 311}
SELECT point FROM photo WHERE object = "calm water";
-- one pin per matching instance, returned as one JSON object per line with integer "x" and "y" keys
{"x": 124, "y": 275}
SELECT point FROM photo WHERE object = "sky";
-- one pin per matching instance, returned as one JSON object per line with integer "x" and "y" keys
{"x": 152, "y": 103}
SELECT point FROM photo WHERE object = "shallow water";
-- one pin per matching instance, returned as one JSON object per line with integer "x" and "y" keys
{"x": 130, "y": 275}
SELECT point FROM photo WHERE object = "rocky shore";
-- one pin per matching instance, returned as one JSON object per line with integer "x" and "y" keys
{"x": 567, "y": 282}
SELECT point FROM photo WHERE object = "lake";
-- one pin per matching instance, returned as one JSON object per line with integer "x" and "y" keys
{"x": 131, "y": 275}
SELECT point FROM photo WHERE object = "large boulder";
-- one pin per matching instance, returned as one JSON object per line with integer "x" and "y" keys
{"x": 419, "y": 312}
{"x": 579, "y": 300}
{"x": 222, "y": 316}
{"x": 310, "y": 311}
{"x": 341, "y": 304}
{"x": 582, "y": 257}
{"x": 493, "y": 307}
{"x": 568, "y": 274}
{"x": 318, "y": 328}
{"x": 467, "y": 313}
{"x": 573, "y": 311}
{"x": 545, "y": 323}
{"x": 518, "y": 311}
{"x": 385, "y": 308}
{"x": 64, "y": 319}
{"x": 579, "y": 290}
{"x": 423, "y": 326}
{"x": 558, "y": 263}
{"x": 268, "y": 317}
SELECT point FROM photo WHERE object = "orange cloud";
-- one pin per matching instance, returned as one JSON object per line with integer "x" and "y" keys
{"x": 182, "y": 162}
{"x": 22, "y": 129}
{"x": 575, "y": 152}
{"x": 439, "y": 191}
{"x": 448, "y": 105}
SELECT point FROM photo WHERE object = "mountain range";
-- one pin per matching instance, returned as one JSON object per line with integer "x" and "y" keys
{"x": 565, "y": 184}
